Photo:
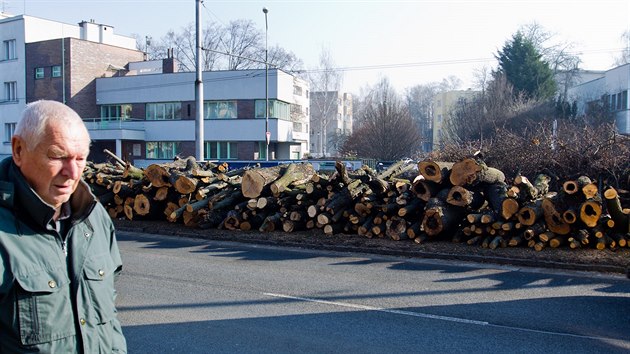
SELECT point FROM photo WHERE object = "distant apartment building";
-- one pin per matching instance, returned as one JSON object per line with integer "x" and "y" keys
{"x": 43, "y": 59}
{"x": 331, "y": 121}
{"x": 610, "y": 88}
{"x": 145, "y": 111}
{"x": 443, "y": 103}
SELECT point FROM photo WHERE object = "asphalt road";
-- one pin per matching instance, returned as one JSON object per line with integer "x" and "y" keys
{"x": 180, "y": 295}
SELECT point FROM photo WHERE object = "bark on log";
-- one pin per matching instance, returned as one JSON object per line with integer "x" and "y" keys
{"x": 613, "y": 206}
{"x": 294, "y": 174}
{"x": 440, "y": 217}
{"x": 472, "y": 172}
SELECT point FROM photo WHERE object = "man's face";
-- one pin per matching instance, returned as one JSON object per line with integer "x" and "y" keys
{"x": 54, "y": 167}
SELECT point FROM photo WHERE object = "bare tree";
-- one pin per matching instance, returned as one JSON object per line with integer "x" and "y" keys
{"x": 624, "y": 57}
{"x": 558, "y": 54}
{"x": 325, "y": 83}
{"x": 242, "y": 40}
{"x": 239, "y": 45}
{"x": 419, "y": 100}
{"x": 285, "y": 60}
{"x": 387, "y": 131}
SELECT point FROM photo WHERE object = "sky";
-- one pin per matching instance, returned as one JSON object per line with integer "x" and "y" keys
{"x": 409, "y": 42}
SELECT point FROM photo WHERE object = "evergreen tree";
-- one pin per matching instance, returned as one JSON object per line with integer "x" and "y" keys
{"x": 524, "y": 68}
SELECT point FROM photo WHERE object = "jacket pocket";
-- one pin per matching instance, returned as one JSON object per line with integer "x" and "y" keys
{"x": 99, "y": 278}
{"x": 44, "y": 306}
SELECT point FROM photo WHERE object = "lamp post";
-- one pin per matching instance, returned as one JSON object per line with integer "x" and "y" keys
{"x": 267, "y": 132}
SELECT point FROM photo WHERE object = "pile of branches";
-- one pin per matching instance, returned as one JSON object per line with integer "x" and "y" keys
{"x": 465, "y": 201}
{"x": 572, "y": 150}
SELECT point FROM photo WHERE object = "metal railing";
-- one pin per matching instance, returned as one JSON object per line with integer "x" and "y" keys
{"x": 114, "y": 123}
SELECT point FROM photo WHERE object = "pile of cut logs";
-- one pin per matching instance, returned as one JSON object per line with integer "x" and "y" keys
{"x": 466, "y": 201}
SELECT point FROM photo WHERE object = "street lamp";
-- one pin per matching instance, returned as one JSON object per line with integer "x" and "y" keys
{"x": 267, "y": 132}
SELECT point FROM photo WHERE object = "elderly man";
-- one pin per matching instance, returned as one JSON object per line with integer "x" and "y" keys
{"x": 58, "y": 251}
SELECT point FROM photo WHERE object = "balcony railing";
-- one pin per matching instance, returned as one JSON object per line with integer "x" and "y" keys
{"x": 114, "y": 123}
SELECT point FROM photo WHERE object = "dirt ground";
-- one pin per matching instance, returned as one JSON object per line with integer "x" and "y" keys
{"x": 589, "y": 259}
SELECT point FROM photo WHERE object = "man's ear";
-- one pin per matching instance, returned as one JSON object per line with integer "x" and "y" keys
{"x": 17, "y": 148}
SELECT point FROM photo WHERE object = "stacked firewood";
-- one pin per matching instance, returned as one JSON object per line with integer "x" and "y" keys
{"x": 465, "y": 201}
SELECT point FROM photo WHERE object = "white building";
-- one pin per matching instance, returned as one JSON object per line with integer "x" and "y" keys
{"x": 149, "y": 117}
{"x": 610, "y": 88}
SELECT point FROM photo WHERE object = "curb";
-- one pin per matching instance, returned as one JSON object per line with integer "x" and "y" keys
{"x": 530, "y": 263}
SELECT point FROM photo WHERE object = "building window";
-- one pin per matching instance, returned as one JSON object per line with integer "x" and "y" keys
{"x": 220, "y": 109}
{"x": 56, "y": 71}
{"x": 39, "y": 73}
{"x": 221, "y": 150}
{"x": 298, "y": 127}
{"x": 115, "y": 112}
{"x": 10, "y": 91}
{"x": 8, "y": 48}
{"x": 9, "y": 130}
{"x": 162, "y": 149}
{"x": 277, "y": 109}
{"x": 262, "y": 150}
{"x": 297, "y": 90}
{"x": 164, "y": 111}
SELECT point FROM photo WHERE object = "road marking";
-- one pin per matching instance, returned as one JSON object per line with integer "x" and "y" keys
{"x": 380, "y": 309}
{"x": 442, "y": 318}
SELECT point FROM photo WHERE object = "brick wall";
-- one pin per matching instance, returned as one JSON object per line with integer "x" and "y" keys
{"x": 89, "y": 60}
{"x": 84, "y": 62}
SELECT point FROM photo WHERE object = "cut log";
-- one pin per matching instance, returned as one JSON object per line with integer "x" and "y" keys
{"x": 590, "y": 211}
{"x": 396, "y": 228}
{"x": 293, "y": 174}
{"x": 433, "y": 171}
{"x": 271, "y": 223}
{"x": 157, "y": 175}
{"x": 553, "y": 218}
{"x": 440, "y": 217}
{"x": 425, "y": 189}
{"x": 472, "y": 172}
{"x": 536, "y": 190}
{"x": 462, "y": 197}
{"x": 530, "y": 213}
{"x": 255, "y": 180}
{"x": 613, "y": 206}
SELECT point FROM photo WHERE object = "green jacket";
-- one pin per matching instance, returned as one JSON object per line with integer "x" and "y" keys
{"x": 56, "y": 296}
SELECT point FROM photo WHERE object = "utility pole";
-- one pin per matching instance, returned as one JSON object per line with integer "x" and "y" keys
{"x": 267, "y": 132}
{"x": 199, "y": 136}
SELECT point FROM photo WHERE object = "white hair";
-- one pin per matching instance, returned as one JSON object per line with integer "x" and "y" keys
{"x": 38, "y": 115}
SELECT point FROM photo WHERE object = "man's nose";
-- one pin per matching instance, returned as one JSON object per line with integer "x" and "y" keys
{"x": 72, "y": 169}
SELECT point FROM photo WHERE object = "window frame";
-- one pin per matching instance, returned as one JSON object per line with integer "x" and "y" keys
{"x": 10, "y": 91}
{"x": 160, "y": 148}
{"x": 55, "y": 71}
{"x": 215, "y": 150}
{"x": 40, "y": 73}
{"x": 9, "y": 131}
{"x": 158, "y": 111}
{"x": 229, "y": 109}
{"x": 9, "y": 49}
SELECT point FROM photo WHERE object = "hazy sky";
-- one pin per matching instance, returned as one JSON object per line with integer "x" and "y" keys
{"x": 410, "y": 42}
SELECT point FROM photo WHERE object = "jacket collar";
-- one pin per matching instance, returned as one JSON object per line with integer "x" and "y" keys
{"x": 16, "y": 194}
